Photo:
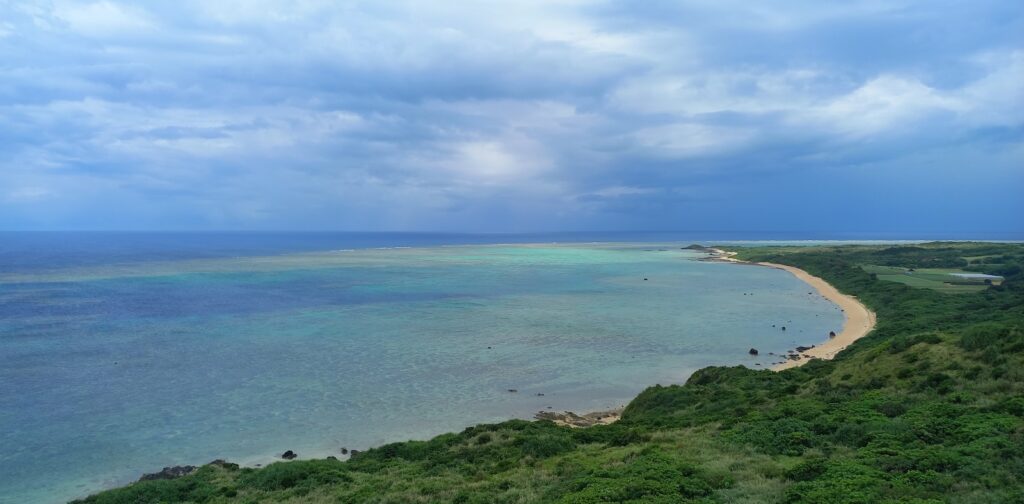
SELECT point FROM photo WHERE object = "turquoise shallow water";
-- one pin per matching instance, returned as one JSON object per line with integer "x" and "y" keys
{"x": 111, "y": 370}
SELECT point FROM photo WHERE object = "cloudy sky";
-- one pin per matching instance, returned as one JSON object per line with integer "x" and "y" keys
{"x": 804, "y": 115}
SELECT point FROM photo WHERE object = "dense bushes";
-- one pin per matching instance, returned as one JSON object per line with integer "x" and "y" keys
{"x": 990, "y": 334}
{"x": 298, "y": 474}
{"x": 652, "y": 475}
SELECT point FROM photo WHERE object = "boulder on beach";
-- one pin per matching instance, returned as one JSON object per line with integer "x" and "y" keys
{"x": 169, "y": 473}
{"x": 831, "y": 334}
{"x": 344, "y": 451}
{"x": 753, "y": 351}
{"x": 289, "y": 455}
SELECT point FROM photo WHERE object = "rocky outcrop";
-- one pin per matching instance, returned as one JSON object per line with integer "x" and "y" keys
{"x": 169, "y": 473}
{"x": 225, "y": 464}
{"x": 573, "y": 420}
{"x": 289, "y": 455}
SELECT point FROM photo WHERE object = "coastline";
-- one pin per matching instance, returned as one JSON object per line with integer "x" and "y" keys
{"x": 859, "y": 320}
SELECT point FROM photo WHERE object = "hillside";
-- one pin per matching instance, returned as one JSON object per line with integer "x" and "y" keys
{"x": 927, "y": 408}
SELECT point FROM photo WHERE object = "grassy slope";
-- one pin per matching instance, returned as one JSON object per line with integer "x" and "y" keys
{"x": 928, "y": 408}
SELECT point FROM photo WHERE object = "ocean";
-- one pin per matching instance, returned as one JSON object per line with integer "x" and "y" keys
{"x": 122, "y": 353}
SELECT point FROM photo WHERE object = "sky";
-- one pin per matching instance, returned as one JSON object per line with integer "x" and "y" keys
{"x": 799, "y": 116}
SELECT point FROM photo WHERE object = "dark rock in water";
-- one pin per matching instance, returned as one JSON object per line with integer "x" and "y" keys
{"x": 169, "y": 473}
{"x": 289, "y": 455}
{"x": 488, "y": 348}
{"x": 783, "y": 328}
{"x": 344, "y": 451}
{"x": 831, "y": 334}
{"x": 773, "y": 325}
{"x": 645, "y": 279}
{"x": 771, "y": 353}
{"x": 513, "y": 390}
{"x": 753, "y": 351}
{"x": 757, "y": 363}
{"x": 540, "y": 394}
{"x": 803, "y": 349}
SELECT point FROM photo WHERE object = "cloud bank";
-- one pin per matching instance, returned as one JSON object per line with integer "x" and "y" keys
{"x": 800, "y": 116}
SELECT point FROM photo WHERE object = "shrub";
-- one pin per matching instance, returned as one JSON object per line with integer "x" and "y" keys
{"x": 982, "y": 336}
{"x": 304, "y": 473}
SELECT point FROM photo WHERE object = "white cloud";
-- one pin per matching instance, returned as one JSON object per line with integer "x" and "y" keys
{"x": 744, "y": 91}
{"x": 500, "y": 161}
{"x": 28, "y": 194}
{"x": 997, "y": 99}
{"x": 882, "y": 104}
{"x": 103, "y": 18}
{"x": 683, "y": 140}
{"x": 620, "y": 191}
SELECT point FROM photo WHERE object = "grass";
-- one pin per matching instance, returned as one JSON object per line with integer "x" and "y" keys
{"x": 928, "y": 408}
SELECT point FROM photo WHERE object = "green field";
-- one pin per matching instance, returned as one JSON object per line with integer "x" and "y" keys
{"x": 939, "y": 279}
{"x": 927, "y": 409}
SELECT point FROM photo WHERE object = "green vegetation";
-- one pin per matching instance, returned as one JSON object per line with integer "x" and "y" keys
{"x": 927, "y": 408}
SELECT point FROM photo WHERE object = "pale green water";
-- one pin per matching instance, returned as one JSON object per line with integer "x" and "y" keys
{"x": 114, "y": 370}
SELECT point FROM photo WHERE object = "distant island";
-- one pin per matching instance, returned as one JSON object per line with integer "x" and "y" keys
{"x": 926, "y": 407}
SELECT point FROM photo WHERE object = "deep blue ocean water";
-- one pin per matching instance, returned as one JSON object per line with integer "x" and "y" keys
{"x": 121, "y": 353}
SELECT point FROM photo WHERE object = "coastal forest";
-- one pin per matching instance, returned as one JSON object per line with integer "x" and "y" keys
{"x": 927, "y": 408}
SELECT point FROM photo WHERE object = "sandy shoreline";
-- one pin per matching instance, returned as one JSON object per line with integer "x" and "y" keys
{"x": 859, "y": 319}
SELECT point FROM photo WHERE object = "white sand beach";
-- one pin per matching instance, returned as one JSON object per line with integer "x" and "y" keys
{"x": 859, "y": 319}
